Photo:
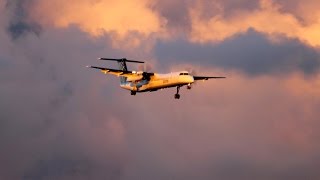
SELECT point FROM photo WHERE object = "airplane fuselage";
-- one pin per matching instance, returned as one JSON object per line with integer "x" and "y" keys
{"x": 159, "y": 81}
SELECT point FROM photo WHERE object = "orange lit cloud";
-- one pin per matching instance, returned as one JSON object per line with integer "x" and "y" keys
{"x": 305, "y": 88}
{"x": 99, "y": 16}
{"x": 268, "y": 18}
{"x": 300, "y": 20}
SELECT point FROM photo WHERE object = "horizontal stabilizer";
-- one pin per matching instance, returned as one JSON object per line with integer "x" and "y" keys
{"x": 120, "y": 60}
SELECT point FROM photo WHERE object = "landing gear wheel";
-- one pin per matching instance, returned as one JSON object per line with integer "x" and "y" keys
{"x": 133, "y": 93}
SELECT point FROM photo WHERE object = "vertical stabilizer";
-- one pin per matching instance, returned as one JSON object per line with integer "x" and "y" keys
{"x": 122, "y": 66}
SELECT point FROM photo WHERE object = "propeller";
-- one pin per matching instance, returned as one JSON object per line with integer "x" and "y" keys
{"x": 144, "y": 67}
{"x": 192, "y": 72}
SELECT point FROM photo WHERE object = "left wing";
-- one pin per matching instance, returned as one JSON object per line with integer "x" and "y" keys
{"x": 111, "y": 71}
{"x": 134, "y": 75}
{"x": 206, "y": 77}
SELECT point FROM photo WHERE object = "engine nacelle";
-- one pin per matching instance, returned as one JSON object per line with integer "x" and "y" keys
{"x": 135, "y": 78}
{"x": 137, "y": 72}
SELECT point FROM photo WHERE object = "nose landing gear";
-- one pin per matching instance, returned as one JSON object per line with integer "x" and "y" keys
{"x": 133, "y": 93}
{"x": 189, "y": 86}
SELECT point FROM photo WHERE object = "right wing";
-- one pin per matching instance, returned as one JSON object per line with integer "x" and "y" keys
{"x": 206, "y": 77}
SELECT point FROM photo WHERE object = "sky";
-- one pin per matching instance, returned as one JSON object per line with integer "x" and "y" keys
{"x": 60, "y": 120}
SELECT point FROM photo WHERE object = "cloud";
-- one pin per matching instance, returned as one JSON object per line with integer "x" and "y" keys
{"x": 42, "y": 80}
{"x": 251, "y": 52}
{"x": 268, "y": 18}
{"x": 175, "y": 14}
{"x": 305, "y": 11}
{"x": 226, "y": 129}
{"x": 60, "y": 120}
{"x": 19, "y": 24}
{"x": 201, "y": 21}
{"x": 95, "y": 17}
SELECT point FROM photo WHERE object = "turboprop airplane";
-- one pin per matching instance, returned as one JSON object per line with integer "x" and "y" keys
{"x": 143, "y": 81}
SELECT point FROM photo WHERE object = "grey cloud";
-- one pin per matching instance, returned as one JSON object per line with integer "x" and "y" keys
{"x": 47, "y": 83}
{"x": 19, "y": 24}
{"x": 216, "y": 141}
{"x": 226, "y": 9}
{"x": 251, "y": 52}
{"x": 20, "y": 28}
{"x": 176, "y": 13}
{"x": 66, "y": 168}
{"x": 244, "y": 169}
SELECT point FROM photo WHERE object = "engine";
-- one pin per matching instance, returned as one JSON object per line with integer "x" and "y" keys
{"x": 135, "y": 78}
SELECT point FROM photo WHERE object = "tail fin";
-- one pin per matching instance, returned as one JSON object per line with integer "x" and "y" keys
{"x": 122, "y": 65}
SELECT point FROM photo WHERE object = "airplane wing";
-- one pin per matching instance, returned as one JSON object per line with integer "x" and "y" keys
{"x": 206, "y": 77}
{"x": 117, "y": 72}
{"x": 111, "y": 71}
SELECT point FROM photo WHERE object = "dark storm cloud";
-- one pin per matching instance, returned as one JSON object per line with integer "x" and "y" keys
{"x": 250, "y": 52}
{"x": 176, "y": 13}
{"x": 19, "y": 24}
{"x": 20, "y": 28}
{"x": 226, "y": 8}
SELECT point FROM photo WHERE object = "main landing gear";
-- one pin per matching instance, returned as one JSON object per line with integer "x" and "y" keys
{"x": 177, "y": 96}
{"x": 133, "y": 93}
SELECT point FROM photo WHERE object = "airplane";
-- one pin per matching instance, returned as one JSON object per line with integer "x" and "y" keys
{"x": 143, "y": 81}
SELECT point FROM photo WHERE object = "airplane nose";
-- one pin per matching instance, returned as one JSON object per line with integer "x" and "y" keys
{"x": 190, "y": 79}
{"x": 186, "y": 79}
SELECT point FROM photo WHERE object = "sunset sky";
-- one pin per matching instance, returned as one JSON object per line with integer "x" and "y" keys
{"x": 60, "y": 120}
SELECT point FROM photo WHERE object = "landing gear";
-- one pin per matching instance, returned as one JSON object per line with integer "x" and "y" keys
{"x": 177, "y": 96}
{"x": 133, "y": 93}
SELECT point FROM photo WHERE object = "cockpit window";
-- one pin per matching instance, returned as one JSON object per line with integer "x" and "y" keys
{"x": 183, "y": 74}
